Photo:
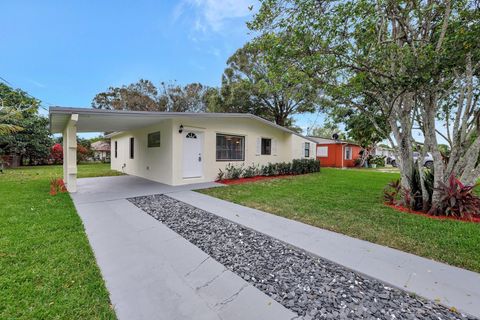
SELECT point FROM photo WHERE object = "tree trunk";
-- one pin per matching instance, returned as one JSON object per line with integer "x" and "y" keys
{"x": 280, "y": 119}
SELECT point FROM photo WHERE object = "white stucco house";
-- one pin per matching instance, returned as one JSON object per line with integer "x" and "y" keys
{"x": 178, "y": 148}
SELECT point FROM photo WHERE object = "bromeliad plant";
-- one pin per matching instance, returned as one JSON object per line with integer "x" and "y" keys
{"x": 457, "y": 200}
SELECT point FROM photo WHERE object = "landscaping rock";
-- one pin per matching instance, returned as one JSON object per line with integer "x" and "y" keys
{"x": 310, "y": 286}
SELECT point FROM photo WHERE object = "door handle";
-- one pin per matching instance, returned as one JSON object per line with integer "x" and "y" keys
{"x": 199, "y": 157}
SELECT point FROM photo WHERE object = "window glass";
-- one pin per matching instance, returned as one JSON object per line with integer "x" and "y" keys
{"x": 322, "y": 152}
{"x": 230, "y": 147}
{"x": 307, "y": 149}
{"x": 154, "y": 139}
{"x": 116, "y": 148}
{"x": 348, "y": 153}
{"x": 266, "y": 146}
{"x": 132, "y": 147}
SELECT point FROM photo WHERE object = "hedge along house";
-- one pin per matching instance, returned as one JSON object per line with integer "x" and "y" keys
{"x": 336, "y": 153}
{"x": 178, "y": 148}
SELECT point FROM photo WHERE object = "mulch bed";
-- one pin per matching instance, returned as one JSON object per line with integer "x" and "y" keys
{"x": 253, "y": 179}
{"x": 420, "y": 213}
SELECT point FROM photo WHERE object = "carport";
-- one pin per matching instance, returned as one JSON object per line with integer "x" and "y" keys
{"x": 70, "y": 121}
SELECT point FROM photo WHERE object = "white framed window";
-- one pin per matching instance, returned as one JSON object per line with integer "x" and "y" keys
{"x": 322, "y": 152}
{"x": 266, "y": 146}
{"x": 230, "y": 148}
{"x": 307, "y": 150}
{"x": 348, "y": 153}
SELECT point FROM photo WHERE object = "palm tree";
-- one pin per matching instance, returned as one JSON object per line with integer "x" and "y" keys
{"x": 7, "y": 113}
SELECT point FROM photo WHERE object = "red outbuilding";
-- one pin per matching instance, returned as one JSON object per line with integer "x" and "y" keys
{"x": 336, "y": 153}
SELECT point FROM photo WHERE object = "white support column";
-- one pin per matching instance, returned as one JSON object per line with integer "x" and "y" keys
{"x": 70, "y": 154}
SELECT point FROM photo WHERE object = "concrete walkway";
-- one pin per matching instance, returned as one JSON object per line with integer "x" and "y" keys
{"x": 153, "y": 273}
{"x": 451, "y": 286}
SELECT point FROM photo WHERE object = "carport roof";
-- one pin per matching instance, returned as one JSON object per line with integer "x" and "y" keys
{"x": 100, "y": 120}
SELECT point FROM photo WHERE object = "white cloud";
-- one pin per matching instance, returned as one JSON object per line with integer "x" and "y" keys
{"x": 213, "y": 14}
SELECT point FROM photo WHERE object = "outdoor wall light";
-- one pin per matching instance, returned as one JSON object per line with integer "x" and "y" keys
{"x": 181, "y": 129}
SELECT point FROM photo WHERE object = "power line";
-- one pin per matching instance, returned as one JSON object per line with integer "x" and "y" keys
{"x": 3, "y": 79}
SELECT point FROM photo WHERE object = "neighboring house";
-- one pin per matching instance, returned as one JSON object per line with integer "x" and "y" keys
{"x": 101, "y": 150}
{"x": 10, "y": 161}
{"x": 178, "y": 148}
{"x": 336, "y": 153}
{"x": 384, "y": 152}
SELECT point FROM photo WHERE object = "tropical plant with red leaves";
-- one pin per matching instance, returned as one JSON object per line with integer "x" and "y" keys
{"x": 391, "y": 192}
{"x": 57, "y": 186}
{"x": 457, "y": 200}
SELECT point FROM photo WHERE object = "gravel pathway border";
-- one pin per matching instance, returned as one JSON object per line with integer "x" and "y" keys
{"x": 312, "y": 287}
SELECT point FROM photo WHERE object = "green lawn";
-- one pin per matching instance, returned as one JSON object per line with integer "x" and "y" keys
{"x": 47, "y": 268}
{"x": 351, "y": 202}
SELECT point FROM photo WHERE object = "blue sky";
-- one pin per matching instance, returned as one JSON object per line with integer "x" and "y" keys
{"x": 64, "y": 52}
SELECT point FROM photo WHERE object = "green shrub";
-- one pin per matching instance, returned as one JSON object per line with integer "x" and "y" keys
{"x": 232, "y": 172}
{"x": 220, "y": 175}
{"x": 297, "y": 166}
{"x": 251, "y": 171}
{"x": 378, "y": 160}
{"x": 284, "y": 168}
{"x": 302, "y": 166}
{"x": 269, "y": 169}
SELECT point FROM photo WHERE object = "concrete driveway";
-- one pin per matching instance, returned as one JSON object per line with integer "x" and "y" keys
{"x": 153, "y": 273}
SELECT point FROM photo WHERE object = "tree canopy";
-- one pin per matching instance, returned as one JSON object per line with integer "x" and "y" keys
{"x": 145, "y": 96}
{"x": 403, "y": 65}
{"x": 270, "y": 88}
{"x": 14, "y": 104}
{"x": 28, "y": 134}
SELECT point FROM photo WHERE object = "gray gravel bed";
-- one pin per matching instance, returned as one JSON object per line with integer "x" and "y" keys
{"x": 312, "y": 287}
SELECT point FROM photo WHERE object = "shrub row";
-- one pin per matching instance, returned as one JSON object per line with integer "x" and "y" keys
{"x": 297, "y": 166}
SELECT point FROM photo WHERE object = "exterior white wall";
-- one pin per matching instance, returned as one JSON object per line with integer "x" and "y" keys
{"x": 166, "y": 162}
{"x": 150, "y": 163}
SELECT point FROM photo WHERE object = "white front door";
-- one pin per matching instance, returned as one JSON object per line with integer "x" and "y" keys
{"x": 192, "y": 154}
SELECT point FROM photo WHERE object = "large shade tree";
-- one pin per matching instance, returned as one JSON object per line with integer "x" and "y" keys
{"x": 23, "y": 131}
{"x": 414, "y": 63}
{"x": 271, "y": 88}
{"x": 145, "y": 96}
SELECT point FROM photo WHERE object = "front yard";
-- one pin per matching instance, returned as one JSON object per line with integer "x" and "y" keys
{"x": 47, "y": 268}
{"x": 351, "y": 202}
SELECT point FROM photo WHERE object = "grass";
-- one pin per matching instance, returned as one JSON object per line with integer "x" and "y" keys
{"x": 47, "y": 268}
{"x": 351, "y": 202}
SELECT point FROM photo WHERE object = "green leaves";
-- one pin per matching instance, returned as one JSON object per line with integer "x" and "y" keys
{"x": 259, "y": 81}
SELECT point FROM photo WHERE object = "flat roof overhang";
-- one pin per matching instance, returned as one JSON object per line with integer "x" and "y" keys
{"x": 101, "y": 120}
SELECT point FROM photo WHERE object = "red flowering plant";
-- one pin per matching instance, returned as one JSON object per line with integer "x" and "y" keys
{"x": 57, "y": 153}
